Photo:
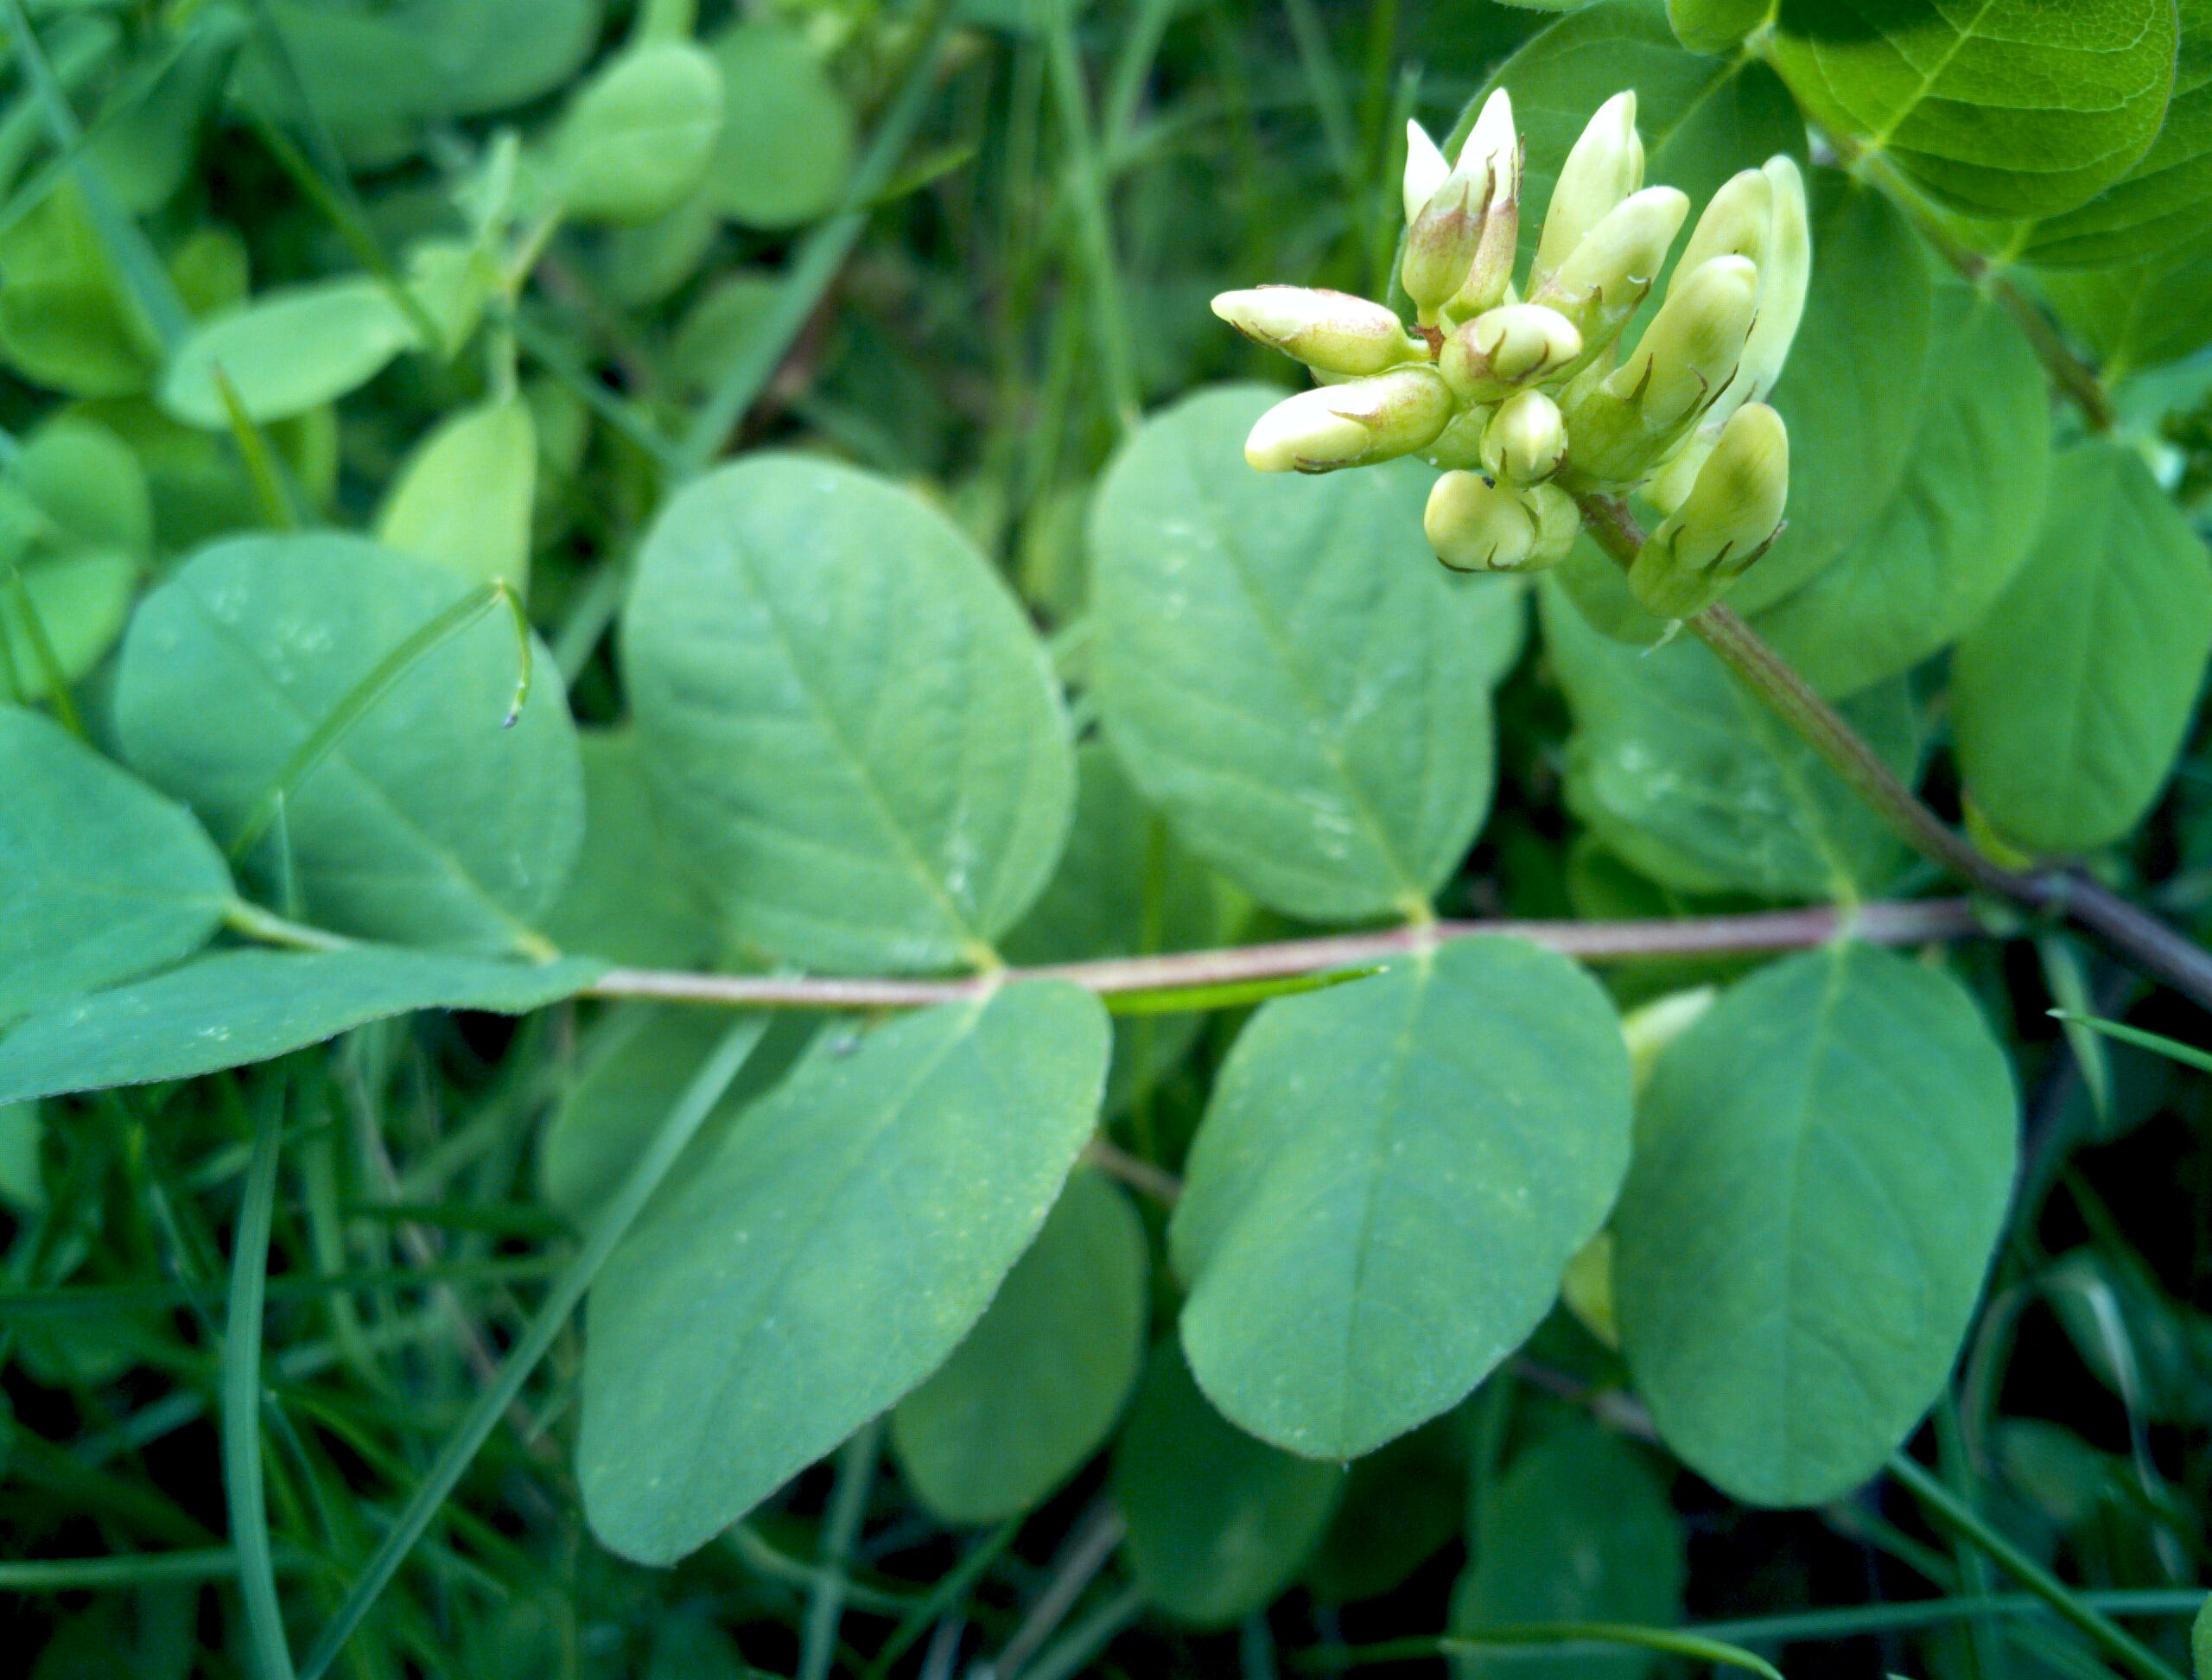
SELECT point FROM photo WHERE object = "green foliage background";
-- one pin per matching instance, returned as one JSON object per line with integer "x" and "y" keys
{"x": 657, "y": 760}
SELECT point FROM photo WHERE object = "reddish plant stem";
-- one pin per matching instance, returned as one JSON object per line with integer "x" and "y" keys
{"x": 1916, "y": 922}
{"x": 2136, "y": 937}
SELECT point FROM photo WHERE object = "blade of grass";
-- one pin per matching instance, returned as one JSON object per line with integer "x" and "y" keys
{"x": 363, "y": 695}
{"x": 346, "y": 220}
{"x": 1072, "y": 1653}
{"x": 69, "y": 1300}
{"x": 1093, "y": 218}
{"x": 73, "y": 61}
{"x": 1236, "y": 995}
{"x": 1523, "y": 1636}
{"x": 1946, "y": 1508}
{"x": 42, "y": 655}
{"x": 2069, "y": 989}
{"x": 1810, "y": 1624}
{"x": 122, "y": 240}
{"x": 948, "y": 1591}
{"x": 272, "y": 486}
{"x": 557, "y": 359}
{"x": 825, "y": 1605}
{"x": 2188, "y": 1055}
{"x": 820, "y": 255}
{"x": 241, "y": 1390}
{"x": 125, "y": 1570}
{"x": 611, "y": 1225}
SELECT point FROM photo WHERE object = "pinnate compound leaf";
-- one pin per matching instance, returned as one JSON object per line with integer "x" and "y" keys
{"x": 1690, "y": 777}
{"x": 2072, "y": 697}
{"x": 1387, "y": 1185}
{"x": 102, "y": 877}
{"x": 636, "y": 138}
{"x": 1579, "y": 1529}
{"x": 2003, "y": 108}
{"x": 1822, "y": 1164}
{"x": 1941, "y": 549}
{"x": 1035, "y": 1387}
{"x": 1284, "y": 670}
{"x": 427, "y": 822}
{"x": 287, "y": 351}
{"x": 232, "y": 1007}
{"x": 1219, "y": 1523}
{"x": 850, "y": 725}
{"x": 849, "y": 1232}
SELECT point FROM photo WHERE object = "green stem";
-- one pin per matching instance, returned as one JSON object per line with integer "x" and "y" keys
{"x": 2101, "y": 1630}
{"x": 1094, "y": 220}
{"x": 607, "y": 1230}
{"x": 2141, "y": 938}
{"x": 242, "y": 1469}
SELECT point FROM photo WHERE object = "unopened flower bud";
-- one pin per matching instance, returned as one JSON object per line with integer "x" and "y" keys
{"x": 1425, "y": 169}
{"x": 1513, "y": 344}
{"x": 1604, "y": 166}
{"x": 1330, "y": 330}
{"x": 1692, "y": 344}
{"x": 1464, "y": 237}
{"x": 1440, "y": 245}
{"x": 1526, "y": 440}
{"x": 1730, "y": 517}
{"x": 1493, "y": 139}
{"x": 1476, "y": 524}
{"x": 1785, "y": 274}
{"x": 1645, "y": 408}
{"x": 1490, "y": 276}
{"x": 1351, "y": 424}
{"x": 1670, "y": 486}
{"x": 1736, "y": 223}
{"x": 1785, "y": 261}
{"x": 1610, "y": 271}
